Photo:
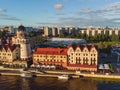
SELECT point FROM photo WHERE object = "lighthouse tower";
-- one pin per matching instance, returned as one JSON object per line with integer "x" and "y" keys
{"x": 24, "y": 42}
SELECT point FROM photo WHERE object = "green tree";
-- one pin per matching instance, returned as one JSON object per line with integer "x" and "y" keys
{"x": 101, "y": 45}
{"x": 114, "y": 38}
{"x": 61, "y": 35}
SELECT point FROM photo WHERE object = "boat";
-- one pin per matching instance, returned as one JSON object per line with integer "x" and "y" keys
{"x": 26, "y": 74}
{"x": 66, "y": 77}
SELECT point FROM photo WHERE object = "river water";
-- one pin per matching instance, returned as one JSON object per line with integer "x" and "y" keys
{"x": 42, "y": 83}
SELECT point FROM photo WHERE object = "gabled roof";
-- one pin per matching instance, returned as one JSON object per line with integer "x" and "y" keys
{"x": 89, "y": 47}
{"x": 50, "y": 51}
{"x": 6, "y": 47}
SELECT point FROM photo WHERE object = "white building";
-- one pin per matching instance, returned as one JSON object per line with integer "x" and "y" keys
{"x": 24, "y": 42}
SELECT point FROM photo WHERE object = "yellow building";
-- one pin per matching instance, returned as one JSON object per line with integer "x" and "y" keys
{"x": 9, "y": 53}
{"x": 51, "y": 56}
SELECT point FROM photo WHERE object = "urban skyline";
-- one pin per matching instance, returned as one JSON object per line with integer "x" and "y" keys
{"x": 78, "y": 13}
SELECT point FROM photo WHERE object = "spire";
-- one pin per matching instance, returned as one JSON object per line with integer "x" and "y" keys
{"x": 21, "y": 28}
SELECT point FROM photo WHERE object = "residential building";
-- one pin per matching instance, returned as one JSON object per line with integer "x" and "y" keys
{"x": 47, "y": 31}
{"x": 54, "y": 31}
{"x": 94, "y": 31}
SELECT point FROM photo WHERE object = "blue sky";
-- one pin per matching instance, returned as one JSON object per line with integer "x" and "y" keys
{"x": 60, "y": 12}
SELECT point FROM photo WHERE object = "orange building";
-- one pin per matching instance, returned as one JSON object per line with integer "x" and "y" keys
{"x": 51, "y": 56}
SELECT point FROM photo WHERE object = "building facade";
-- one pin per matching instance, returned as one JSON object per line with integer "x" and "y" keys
{"x": 95, "y": 31}
{"x": 82, "y": 57}
{"x": 51, "y": 56}
{"x": 24, "y": 42}
{"x": 9, "y": 53}
{"x": 76, "y": 57}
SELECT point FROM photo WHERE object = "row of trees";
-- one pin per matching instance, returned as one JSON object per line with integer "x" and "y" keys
{"x": 95, "y": 38}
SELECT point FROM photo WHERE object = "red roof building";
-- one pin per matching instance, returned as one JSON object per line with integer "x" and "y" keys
{"x": 51, "y": 56}
{"x": 74, "y": 57}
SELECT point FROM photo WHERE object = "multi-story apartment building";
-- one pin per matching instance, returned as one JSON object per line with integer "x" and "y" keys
{"x": 47, "y": 31}
{"x": 54, "y": 31}
{"x": 95, "y": 31}
{"x": 51, "y": 56}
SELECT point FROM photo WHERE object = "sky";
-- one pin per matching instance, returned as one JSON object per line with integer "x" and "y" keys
{"x": 79, "y": 13}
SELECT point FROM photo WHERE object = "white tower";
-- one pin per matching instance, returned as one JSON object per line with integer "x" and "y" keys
{"x": 25, "y": 49}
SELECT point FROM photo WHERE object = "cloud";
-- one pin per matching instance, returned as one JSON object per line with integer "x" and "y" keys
{"x": 8, "y": 17}
{"x": 65, "y": 0}
{"x": 58, "y": 6}
{"x": 85, "y": 8}
{"x": 2, "y": 10}
{"x": 112, "y": 8}
{"x": 104, "y": 16}
{"x": 47, "y": 23}
{"x": 77, "y": 21}
{"x": 60, "y": 14}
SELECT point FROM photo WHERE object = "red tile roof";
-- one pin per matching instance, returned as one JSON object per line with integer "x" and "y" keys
{"x": 6, "y": 47}
{"x": 55, "y": 51}
{"x": 83, "y": 65}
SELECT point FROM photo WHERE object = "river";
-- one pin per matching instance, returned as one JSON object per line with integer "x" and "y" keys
{"x": 42, "y": 83}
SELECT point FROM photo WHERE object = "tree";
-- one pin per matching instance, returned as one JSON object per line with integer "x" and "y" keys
{"x": 114, "y": 38}
{"x": 101, "y": 45}
{"x": 61, "y": 35}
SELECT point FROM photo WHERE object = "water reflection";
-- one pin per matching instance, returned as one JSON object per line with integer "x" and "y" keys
{"x": 82, "y": 85}
{"x": 40, "y": 83}
{"x": 25, "y": 85}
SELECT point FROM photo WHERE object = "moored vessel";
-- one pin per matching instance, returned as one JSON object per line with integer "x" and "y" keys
{"x": 66, "y": 77}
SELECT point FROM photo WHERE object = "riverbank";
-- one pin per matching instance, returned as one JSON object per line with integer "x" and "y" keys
{"x": 16, "y": 72}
